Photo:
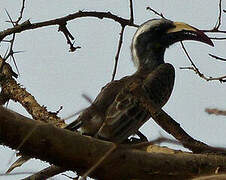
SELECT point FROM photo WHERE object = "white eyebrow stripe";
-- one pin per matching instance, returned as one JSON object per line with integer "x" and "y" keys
{"x": 143, "y": 28}
{"x": 146, "y": 26}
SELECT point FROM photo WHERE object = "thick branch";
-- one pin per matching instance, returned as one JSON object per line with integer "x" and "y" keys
{"x": 73, "y": 151}
{"x": 14, "y": 91}
{"x": 173, "y": 128}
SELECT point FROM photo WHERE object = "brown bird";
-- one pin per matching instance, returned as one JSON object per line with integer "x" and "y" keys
{"x": 120, "y": 110}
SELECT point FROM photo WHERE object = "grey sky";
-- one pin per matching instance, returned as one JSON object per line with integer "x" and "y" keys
{"x": 56, "y": 77}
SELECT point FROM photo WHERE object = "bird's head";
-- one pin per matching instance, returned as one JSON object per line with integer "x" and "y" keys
{"x": 154, "y": 36}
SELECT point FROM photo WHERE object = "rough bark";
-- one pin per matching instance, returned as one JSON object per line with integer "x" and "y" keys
{"x": 76, "y": 152}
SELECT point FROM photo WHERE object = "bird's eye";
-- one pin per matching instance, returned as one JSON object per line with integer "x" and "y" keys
{"x": 156, "y": 29}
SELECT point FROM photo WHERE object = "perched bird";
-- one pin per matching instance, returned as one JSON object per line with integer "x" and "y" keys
{"x": 119, "y": 110}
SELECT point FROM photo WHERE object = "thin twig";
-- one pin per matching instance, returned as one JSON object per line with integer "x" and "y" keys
{"x": 218, "y": 23}
{"x": 118, "y": 52}
{"x": 11, "y": 21}
{"x": 63, "y": 28}
{"x": 72, "y": 115}
{"x": 131, "y": 11}
{"x": 213, "y": 31}
{"x": 215, "y": 111}
{"x": 154, "y": 11}
{"x": 196, "y": 70}
{"x": 218, "y": 38}
{"x": 21, "y": 12}
{"x": 217, "y": 57}
{"x": 70, "y": 177}
{"x": 189, "y": 58}
{"x": 87, "y": 98}
{"x": 220, "y": 78}
{"x": 10, "y": 51}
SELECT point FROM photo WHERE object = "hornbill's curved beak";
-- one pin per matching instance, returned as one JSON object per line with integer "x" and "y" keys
{"x": 182, "y": 31}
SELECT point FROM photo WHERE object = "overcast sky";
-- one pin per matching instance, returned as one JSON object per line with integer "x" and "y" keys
{"x": 57, "y": 77}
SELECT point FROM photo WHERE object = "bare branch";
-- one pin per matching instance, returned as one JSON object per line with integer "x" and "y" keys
{"x": 196, "y": 70}
{"x": 27, "y": 25}
{"x": 12, "y": 90}
{"x": 131, "y": 11}
{"x": 10, "y": 52}
{"x": 154, "y": 11}
{"x": 216, "y": 111}
{"x": 217, "y": 57}
{"x": 220, "y": 79}
{"x": 127, "y": 162}
{"x": 87, "y": 98}
{"x": 218, "y": 23}
{"x": 63, "y": 28}
{"x": 166, "y": 122}
{"x": 213, "y": 31}
{"x": 18, "y": 94}
{"x": 189, "y": 58}
{"x": 21, "y": 12}
{"x": 170, "y": 126}
{"x": 118, "y": 52}
{"x": 218, "y": 38}
{"x": 74, "y": 114}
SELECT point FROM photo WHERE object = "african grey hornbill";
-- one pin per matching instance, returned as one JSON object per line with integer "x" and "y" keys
{"x": 118, "y": 111}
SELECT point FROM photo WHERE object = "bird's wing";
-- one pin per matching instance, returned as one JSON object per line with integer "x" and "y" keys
{"x": 159, "y": 84}
{"x": 127, "y": 113}
{"x": 91, "y": 118}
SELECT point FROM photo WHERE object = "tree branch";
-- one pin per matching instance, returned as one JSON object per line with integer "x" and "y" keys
{"x": 217, "y": 57}
{"x": 173, "y": 128}
{"x": 27, "y": 25}
{"x": 75, "y": 152}
{"x": 118, "y": 52}
{"x": 218, "y": 23}
{"x": 131, "y": 11}
{"x": 154, "y": 11}
{"x": 12, "y": 90}
{"x": 215, "y": 111}
{"x": 196, "y": 70}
